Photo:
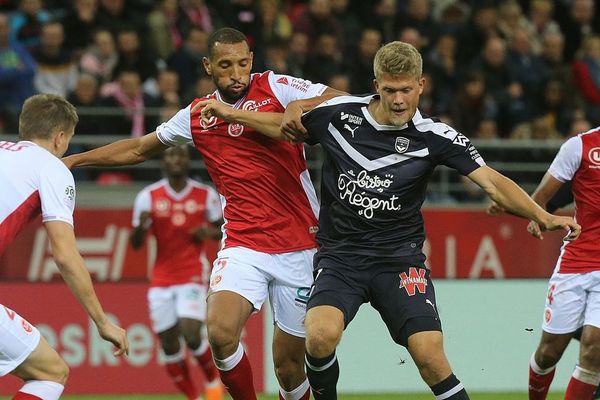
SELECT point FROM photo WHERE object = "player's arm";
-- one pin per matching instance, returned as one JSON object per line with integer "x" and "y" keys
{"x": 72, "y": 268}
{"x": 138, "y": 233}
{"x": 213, "y": 231}
{"x": 121, "y": 152}
{"x": 512, "y": 198}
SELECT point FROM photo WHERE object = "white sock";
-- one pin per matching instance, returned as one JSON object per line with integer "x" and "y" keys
{"x": 586, "y": 376}
{"x": 537, "y": 369}
{"x": 230, "y": 362}
{"x": 46, "y": 390}
{"x": 175, "y": 358}
{"x": 297, "y": 393}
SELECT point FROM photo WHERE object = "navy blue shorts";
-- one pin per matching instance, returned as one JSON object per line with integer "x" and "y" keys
{"x": 403, "y": 296}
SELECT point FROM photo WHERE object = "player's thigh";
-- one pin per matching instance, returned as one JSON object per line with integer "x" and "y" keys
{"x": 565, "y": 307}
{"x": 592, "y": 308}
{"x": 289, "y": 289}
{"x": 169, "y": 339}
{"x": 43, "y": 364}
{"x": 405, "y": 299}
{"x": 240, "y": 271}
{"x": 191, "y": 329}
{"x": 18, "y": 339}
{"x": 161, "y": 307}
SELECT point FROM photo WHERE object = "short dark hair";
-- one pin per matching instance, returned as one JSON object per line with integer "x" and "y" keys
{"x": 43, "y": 114}
{"x": 225, "y": 35}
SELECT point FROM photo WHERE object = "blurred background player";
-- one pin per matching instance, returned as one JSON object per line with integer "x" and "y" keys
{"x": 34, "y": 180}
{"x": 573, "y": 298}
{"x": 181, "y": 213}
{"x": 268, "y": 246}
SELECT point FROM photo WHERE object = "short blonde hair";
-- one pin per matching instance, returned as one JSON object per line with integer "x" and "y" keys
{"x": 398, "y": 58}
{"x": 44, "y": 114}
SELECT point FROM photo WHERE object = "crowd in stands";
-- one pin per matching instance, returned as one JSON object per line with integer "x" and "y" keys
{"x": 494, "y": 69}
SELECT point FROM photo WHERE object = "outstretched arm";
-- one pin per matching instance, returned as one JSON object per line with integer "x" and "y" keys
{"x": 76, "y": 276}
{"x": 512, "y": 198}
{"x": 542, "y": 195}
{"x": 122, "y": 152}
{"x": 286, "y": 126}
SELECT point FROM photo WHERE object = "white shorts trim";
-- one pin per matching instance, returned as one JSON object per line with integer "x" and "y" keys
{"x": 573, "y": 300}
{"x": 168, "y": 304}
{"x": 18, "y": 339}
{"x": 286, "y": 278}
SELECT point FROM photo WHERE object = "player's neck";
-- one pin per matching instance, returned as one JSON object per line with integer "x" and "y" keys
{"x": 46, "y": 144}
{"x": 178, "y": 183}
{"x": 375, "y": 111}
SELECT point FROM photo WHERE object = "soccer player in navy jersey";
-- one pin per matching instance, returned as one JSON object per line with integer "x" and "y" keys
{"x": 379, "y": 154}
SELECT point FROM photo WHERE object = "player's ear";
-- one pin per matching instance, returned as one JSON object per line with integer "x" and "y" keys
{"x": 376, "y": 85}
{"x": 251, "y": 59}
{"x": 207, "y": 67}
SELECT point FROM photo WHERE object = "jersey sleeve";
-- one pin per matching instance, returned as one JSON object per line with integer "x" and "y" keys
{"x": 57, "y": 193}
{"x": 214, "y": 211}
{"x": 177, "y": 130}
{"x": 143, "y": 202}
{"x": 568, "y": 160}
{"x": 455, "y": 150}
{"x": 316, "y": 122}
{"x": 287, "y": 88}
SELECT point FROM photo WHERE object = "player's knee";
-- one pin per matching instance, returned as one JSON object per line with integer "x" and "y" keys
{"x": 223, "y": 339}
{"x": 170, "y": 346}
{"x": 289, "y": 372}
{"x": 321, "y": 340}
{"x": 547, "y": 355}
{"x": 590, "y": 356}
{"x": 59, "y": 372}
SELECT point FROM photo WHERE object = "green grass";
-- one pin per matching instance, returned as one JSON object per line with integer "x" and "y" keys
{"x": 419, "y": 396}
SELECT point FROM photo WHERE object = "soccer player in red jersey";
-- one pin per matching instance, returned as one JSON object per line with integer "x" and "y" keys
{"x": 573, "y": 299}
{"x": 181, "y": 214}
{"x": 267, "y": 246}
{"x": 34, "y": 182}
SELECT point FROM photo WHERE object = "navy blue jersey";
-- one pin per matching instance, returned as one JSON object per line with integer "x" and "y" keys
{"x": 375, "y": 178}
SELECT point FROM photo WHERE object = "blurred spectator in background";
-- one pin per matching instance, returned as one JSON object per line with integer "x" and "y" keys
{"x": 487, "y": 129}
{"x": 132, "y": 56}
{"x": 242, "y": 15}
{"x": 116, "y": 14}
{"x": 586, "y": 74}
{"x": 537, "y": 129}
{"x": 552, "y": 58}
{"x": 384, "y": 19}
{"x": 17, "y": 69}
{"x": 167, "y": 27}
{"x": 274, "y": 57}
{"x": 80, "y": 24}
{"x": 127, "y": 96}
{"x": 360, "y": 66}
{"x": 298, "y": 53}
{"x": 101, "y": 57}
{"x": 200, "y": 15}
{"x": 325, "y": 61}
{"x": 481, "y": 26}
{"x": 578, "y": 125}
{"x": 555, "y": 105}
{"x": 525, "y": 67}
{"x": 167, "y": 88}
{"x": 442, "y": 66}
{"x": 510, "y": 19}
{"x": 86, "y": 98}
{"x": 418, "y": 16}
{"x": 412, "y": 36}
{"x": 26, "y": 23}
{"x": 317, "y": 19}
{"x": 339, "y": 82}
{"x": 349, "y": 22}
{"x": 202, "y": 87}
{"x": 275, "y": 25}
{"x": 57, "y": 70}
{"x": 187, "y": 60}
{"x": 540, "y": 23}
{"x": 472, "y": 104}
{"x": 576, "y": 24}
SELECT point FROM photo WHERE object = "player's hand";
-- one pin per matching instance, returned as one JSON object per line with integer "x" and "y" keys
{"x": 199, "y": 234}
{"x": 291, "y": 125}
{"x": 559, "y": 222}
{"x": 495, "y": 209}
{"x": 145, "y": 219}
{"x": 116, "y": 335}
{"x": 213, "y": 108}
{"x": 534, "y": 230}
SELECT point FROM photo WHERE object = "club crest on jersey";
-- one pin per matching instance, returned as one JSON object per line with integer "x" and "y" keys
{"x": 235, "y": 130}
{"x": 401, "y": 144}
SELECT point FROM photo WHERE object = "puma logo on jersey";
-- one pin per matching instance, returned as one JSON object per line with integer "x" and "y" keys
{"x": 346, "y": 126}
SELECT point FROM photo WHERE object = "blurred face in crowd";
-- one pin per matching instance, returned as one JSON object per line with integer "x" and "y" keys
{"x": 319, "y": 8}
{"x": 130, "y": 84}
{"x": 30, "y": 7}
{"x": 113, "y": 6}
{"x": 553, "y": 47}
{"x": 52, "y": 35}
{"x": 582, "y": 11}
{"x": 86, "y": 89}
{"x": 370, "y": 42}
{"x": 592, "y": 47}
{"x": 198, "y": 42}
{"x": 176, "y": 161}
{"x": 128, "y": 41}
{"x": 399, "y": 98}
{"x": 229, "y": 65}
{"x": 168, "y": 82}
{"x": 495, "y": 52}
{"x": 105, "y": 43}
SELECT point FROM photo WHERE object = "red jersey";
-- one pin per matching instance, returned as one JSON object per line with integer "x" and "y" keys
{"x": 269, "y": 202}
{"x": 173, "y": 215}
{"x": 579, "y": 160}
